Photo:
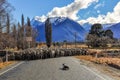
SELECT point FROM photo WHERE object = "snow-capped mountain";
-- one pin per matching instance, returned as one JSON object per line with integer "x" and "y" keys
{"x": 62, "y": 29}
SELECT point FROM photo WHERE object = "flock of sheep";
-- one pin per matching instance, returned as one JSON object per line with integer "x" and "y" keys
{"x": 44, "y": 53}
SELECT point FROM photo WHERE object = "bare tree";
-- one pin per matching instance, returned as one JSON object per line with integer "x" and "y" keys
{"x": 14, "y": 32}
{"x": 5, "y": 18}
{"x": 5, "y": 9}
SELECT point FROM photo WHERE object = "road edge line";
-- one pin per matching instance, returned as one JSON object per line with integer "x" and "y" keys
{"x": 91, "y": 71}
{"x": 94, "y": 73}
{"x": 11, "y": 68}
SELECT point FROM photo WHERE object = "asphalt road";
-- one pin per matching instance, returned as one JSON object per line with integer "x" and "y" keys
{"x": 50, "y": 69}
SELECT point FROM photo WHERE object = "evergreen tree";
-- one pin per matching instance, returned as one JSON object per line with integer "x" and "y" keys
{"x": 14, "y": 32}
{"x": 48, "y": 32}
{"x": 22, "y": 31}
{"x": 19, "y": 37}
{"x": 18, "y": 31}
{"x": 22, "y": 20}
{"x": 0, "y": 27}
{"x": 8, "y": 24}
{"x": 28, "y": 28}
{"x": 28, "y": 21}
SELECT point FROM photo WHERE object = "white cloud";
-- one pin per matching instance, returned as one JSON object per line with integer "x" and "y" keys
{"x": 70, "y": 10}
{"x": 110, "y": 17}
{"x": 99, "y": 5}
{"x": 98, "y": 11}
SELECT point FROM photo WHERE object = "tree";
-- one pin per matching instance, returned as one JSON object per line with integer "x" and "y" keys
{"x": 96, "y": 29}
{"x": 28, "y": 28}
{"x": 28, "y": 33}
{"x": 22, "y": 26}
{"x": 109, "y": 33}
{"x": 6, "y": 40}
{"x": 19, "y": 37}
{"x": 94, "y": 34}
{"x": 5, "y": 7}
{"x": 18, "y": 31}
{"x": 8, "y": 24}
{"x": 5, "y": 10}
{"x": 14, "y": 32}
{"x": 98, "y": 37}
{"x": 22, "y": 30}
{"x": 22, "y": 20}
{"x": 0, "y": 27}
{"x": 48, "y": 32}
{"x": 91, "y": 40}
{"x": 28, "y": 21}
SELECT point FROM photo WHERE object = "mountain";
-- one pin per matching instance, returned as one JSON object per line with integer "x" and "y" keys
{"x": 62, "y": 29}
{"x": 87, "y": 26}
{"x": 115, "y": 29}
{"x": 105, "y": 26}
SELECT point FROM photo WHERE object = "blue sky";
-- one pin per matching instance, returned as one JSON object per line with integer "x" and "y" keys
{"x": 104, "y": 11}
{"x": 33, "y": 8}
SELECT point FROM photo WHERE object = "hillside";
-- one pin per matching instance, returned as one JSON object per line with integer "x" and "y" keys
{"x": 62, "y": 29}
{"x": 115, "y": 29}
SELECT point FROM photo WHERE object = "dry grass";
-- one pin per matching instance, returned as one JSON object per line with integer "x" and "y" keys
{"x": 102, "y": 60}
{"x": 4, "y": 64}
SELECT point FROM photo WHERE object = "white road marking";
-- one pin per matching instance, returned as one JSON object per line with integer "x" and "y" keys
{"x": 94, "y": 73}
{"x": 11, "y": 68}
{"x": 91, "y": 71}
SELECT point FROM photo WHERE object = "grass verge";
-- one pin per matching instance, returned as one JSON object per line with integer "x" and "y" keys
{"x": 113, "y": 62}
{"x": 5, "y": 64}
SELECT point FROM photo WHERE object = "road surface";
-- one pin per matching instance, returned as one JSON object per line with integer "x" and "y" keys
{"x": 50, "y": 69}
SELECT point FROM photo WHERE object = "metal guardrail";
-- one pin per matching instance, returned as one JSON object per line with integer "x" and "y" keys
{"x": 4, "y": 55}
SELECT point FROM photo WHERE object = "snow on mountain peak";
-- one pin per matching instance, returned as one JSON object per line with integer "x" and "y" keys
{"x": 57, "y": 20}
{"x": 52, "y": 19}
{"x": 40, "y": 19}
